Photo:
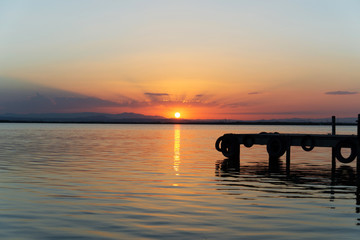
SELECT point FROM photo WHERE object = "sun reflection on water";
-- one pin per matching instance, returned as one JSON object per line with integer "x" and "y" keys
{"x": 177, "y": 149}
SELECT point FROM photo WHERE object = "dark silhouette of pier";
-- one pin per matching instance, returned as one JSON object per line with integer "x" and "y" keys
{"x": 278, "y": 144}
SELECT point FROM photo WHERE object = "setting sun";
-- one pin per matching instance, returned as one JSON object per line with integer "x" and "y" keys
{"x": 177, "y": 115}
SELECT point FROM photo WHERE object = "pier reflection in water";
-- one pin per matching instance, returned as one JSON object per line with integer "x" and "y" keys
{"x": 274, "y": 179}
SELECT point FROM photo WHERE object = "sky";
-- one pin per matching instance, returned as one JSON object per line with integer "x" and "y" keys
{"x": 207, "y": 59}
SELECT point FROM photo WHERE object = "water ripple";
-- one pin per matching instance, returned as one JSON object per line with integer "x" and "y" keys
{"x": 163, "y": 182}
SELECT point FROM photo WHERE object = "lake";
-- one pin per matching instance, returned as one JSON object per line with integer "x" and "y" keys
{"x": 119, "y": 181}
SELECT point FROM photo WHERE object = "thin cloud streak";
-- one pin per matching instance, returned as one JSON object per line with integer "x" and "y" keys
{"x": 237, "y": 105}
{"x": 156, "y": 94}
{"x": 157, "y": 97}
{"x": 341, "y": 93}
{"x": 41, "y": 104}
{"x": 173, "y": 99}
{"x": 267, "y": 113}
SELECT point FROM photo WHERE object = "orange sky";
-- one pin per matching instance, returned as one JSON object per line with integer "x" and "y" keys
{"x": 213, "y": 59}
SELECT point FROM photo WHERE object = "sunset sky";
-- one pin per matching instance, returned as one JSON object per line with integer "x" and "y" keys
{"x": 224, "y": 59}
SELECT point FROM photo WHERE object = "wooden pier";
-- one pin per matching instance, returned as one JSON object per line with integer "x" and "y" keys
{"x": 279, "y": 144}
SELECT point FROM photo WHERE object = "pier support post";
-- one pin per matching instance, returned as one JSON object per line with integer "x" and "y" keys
{"x": 333, "y": 161}
{"x": 274, "y": 165}
{"x": 236, "y": 155}
{"x": 288, "y": 151}
{"x": 333, "y": 158}
{"x": 234, "y": 160}
{"x": 358, "y": 163}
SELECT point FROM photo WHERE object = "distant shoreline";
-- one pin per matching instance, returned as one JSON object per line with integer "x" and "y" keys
{"x": 185, "y": 122}
{"x": 135, "y": 118}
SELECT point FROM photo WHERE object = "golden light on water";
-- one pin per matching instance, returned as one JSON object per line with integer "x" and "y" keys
{"x": 177, "y": 149}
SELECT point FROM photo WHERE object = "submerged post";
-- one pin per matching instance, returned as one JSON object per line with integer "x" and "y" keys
{"x": 358, "y": 154}
{"x": 288, "y": 159}
{"x": 333, "y": 132}
{"x": 234, "y": 159}
{"x": 234, "y": 150}
{"x": 236, "y": 155}
{"x": 358, "y": 127}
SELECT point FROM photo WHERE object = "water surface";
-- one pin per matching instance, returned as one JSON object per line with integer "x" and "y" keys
{"x": 94, "y": 181}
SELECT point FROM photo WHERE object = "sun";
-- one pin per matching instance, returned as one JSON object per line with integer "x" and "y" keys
{"x": 177, "y": 115}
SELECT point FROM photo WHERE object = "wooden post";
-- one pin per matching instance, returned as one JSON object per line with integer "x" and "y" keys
{"x": 358, "y": 167}
{"x": 333, "y": 159}
{"x": 234, "y": 160}
{"x": 358, "y": 156}
{"x": 238, "y": 161}
{"x": 358, "y": 127}
{"x": 288, "y": 159}
{"x": 237, "y": 150}
{"x": 237, "y": 158}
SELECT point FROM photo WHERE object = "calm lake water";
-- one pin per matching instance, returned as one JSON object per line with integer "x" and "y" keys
{"x": 73, "y": 181}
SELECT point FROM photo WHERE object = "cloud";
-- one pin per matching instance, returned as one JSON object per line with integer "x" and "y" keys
{"x": 157, "y": 97}
{"x": 173, "y": 99}
{"x": 15, "y": 90}
{"x": 88, "y": 102}
{"x": 156, "y": 94}
{"x": 39, "y": 103}
{"x": 199, "y": 98}
{"x": 47, "y": 103}
{"x": 254, "y": 93}
{"x": 269, "y": 113}
{"x": 341, "y": 93}
{"x": 22, "y": 97}
{"x": 236, "y": 105}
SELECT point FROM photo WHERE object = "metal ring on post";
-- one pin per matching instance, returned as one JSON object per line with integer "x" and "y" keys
{"x": 347, "y": 143}
{"x": 305, "y": 143}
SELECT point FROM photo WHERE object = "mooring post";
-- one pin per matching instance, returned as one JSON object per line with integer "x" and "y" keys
{"x": 358, "y": 127}
{"x": 333, "y": 132}
{"x": 288, "y": 159}
{"x": 358, "y": 157}
{"x": 234, "y": 161}
{"x": 333, "y": 161}
{"x": 235, "y": 157}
